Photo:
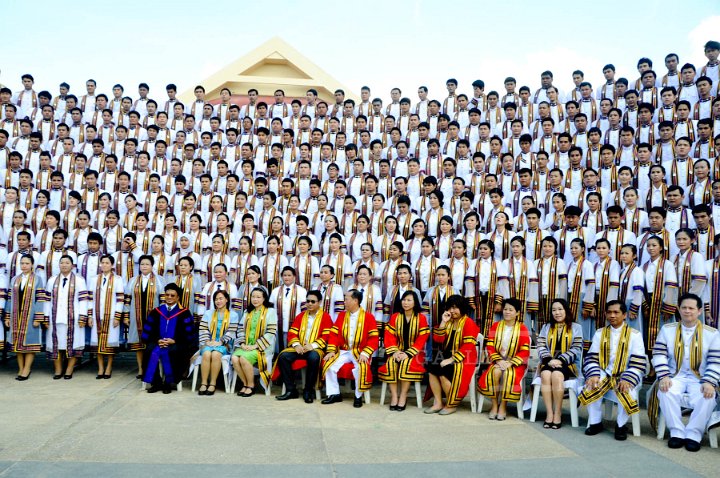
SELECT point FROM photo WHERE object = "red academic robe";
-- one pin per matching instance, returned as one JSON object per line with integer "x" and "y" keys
{"x": 518, "y": 353}
{"x": 366, "y": 340}
{"x": 296, "y": 336}
{"x": 463, "y": 334}
{"x": 412, "y": 368}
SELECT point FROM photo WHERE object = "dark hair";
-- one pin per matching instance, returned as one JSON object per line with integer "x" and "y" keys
{"x": 689, "y": 296}
{"x": 568, "y": 313}
{"x": 514, "y": 303}
{"x": 266, "y": 298}
{"x": 417, "y": 307}
{"x": 623, "y": 307}
{"x": 458, "y": 301}
{"x": 222, "y": 292}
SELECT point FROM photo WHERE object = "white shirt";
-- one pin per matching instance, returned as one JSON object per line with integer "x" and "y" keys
{"x": 62, "y": 299}
{"x": 614, "y": 339}
{"x": 353, "y": 327}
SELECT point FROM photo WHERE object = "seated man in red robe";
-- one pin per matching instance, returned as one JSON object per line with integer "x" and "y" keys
{"x": 353, "y": 339}
{"x": 307, "y": 339}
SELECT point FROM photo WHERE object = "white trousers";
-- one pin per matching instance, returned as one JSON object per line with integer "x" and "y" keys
{"x": 595, "y": 410}
{"x": 672, "y": 401}
{"x": 331, "y": 380}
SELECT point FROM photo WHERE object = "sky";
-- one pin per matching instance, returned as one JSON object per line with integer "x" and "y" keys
{"x": 380, "y": 44}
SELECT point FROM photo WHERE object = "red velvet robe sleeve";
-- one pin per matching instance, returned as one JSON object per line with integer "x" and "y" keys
{"x": 391, "y": 341}
{"x": 324, "y": 332}
{"x": 335, "y": 338}
{"x": 292, "y": 336}
{"x": 493, "y": 355}
{"x": 522, "y": 354}
{"x": 418, "y": 345}
{"x": 467, "y": 352}
{"x": 373, "y": 335}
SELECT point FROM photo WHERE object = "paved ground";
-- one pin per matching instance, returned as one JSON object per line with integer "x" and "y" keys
{"x": 88, "y": 427}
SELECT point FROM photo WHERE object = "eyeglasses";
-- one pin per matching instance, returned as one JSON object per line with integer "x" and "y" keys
{"x": 311, "y": 301}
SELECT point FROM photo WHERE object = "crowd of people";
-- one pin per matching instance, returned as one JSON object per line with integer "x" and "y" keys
{"x": 358, "y": 238}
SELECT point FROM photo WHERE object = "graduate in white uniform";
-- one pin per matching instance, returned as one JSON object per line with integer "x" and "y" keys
{"x": 288, "y": 299}
{"x": 105, "y": 313}
{"x": 614, "y": 366}
{"x": 686, "y": 358}
{"x": 66, "y": 311}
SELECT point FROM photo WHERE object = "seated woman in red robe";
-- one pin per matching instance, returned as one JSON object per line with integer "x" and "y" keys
{"x": 508, "y": 347}
{"x": 405, "y": 336}
{"x": 457, "y": 336}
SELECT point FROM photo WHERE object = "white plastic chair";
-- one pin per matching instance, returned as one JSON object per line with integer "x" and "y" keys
{"x": 472, "y": 392}
{"x": 634, "y": 418}
{"x": 520, "y": 410}
{"x": 418, "y": 394}
{"x": 685, "y": 403}
{"x": 195, "y": 368}
{"x": 268, "y": 389}
{"x": 572, "y": 386}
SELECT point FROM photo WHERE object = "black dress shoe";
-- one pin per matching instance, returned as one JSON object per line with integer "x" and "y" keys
{"x": 57, "y": 377}
{"x": 692, "y": 445}
{"x": 393, "y": 408}
{"x": 99, "y": 377}
{"x": 621, "y": 433}
{"x": 357, "y": 403}
{"x": 68, "y": 377}
{"x": 21, "y": 378}
{"x": 154, "y": 389}
{"x": 400, "y": 408}
{"x": 167, "y": 388}
{"x": 309, "y": 396}
{"x": 332, "y": 399}
{"x": 594, "y": 429}
{"x": 675, "y": 442}
{"x": 107, "y": 376}
{"x": 289, "y": 395}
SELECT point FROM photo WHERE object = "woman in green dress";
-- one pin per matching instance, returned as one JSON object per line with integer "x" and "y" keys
{"x": 255, "y": 342}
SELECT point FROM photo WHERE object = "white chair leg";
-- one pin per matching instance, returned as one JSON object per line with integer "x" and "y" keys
{"x": 572, "y": 398}
{"x": 367, "y": 396}
{"x": 179, "y": 386}
{"x": 607, "y": 410}
{"x": 383, "y": 389}
{"x": 535, "y": 401}
{"x": 480, "y": 402}
{"x": 195, "y": 378}
{"x": 661, "y": 426}
{"x": 283, "y": 389}
{"x": 317, "y": 394}
{"x": 712, "y": 437}
{"x": 303, "y": 376}
{"x": 475, "y": 402}
{"x": 521, "y": 403}
{"x": 635, "y": 417}
{"x": 418, "y": 394}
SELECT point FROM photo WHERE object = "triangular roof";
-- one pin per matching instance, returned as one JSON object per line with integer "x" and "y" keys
{"x": 273, "y": 65}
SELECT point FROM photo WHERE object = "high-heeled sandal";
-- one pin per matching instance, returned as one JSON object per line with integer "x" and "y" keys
{"x": 210, "y": 392}
{"x": 201, "y": 391}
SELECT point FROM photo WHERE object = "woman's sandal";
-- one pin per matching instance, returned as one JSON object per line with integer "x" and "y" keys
{"x": 556, "y": 426}
{"x": 547, "y": 425}
{"x": 208, "y": 392}
{"x": 201, "y": 391}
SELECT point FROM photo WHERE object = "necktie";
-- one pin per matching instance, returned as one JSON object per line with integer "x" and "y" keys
{"x": 64, "y": 281}
{"x": 218, "y": 287}
{"x": 104, "y": 281}
{"x": 287, "y": 291}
